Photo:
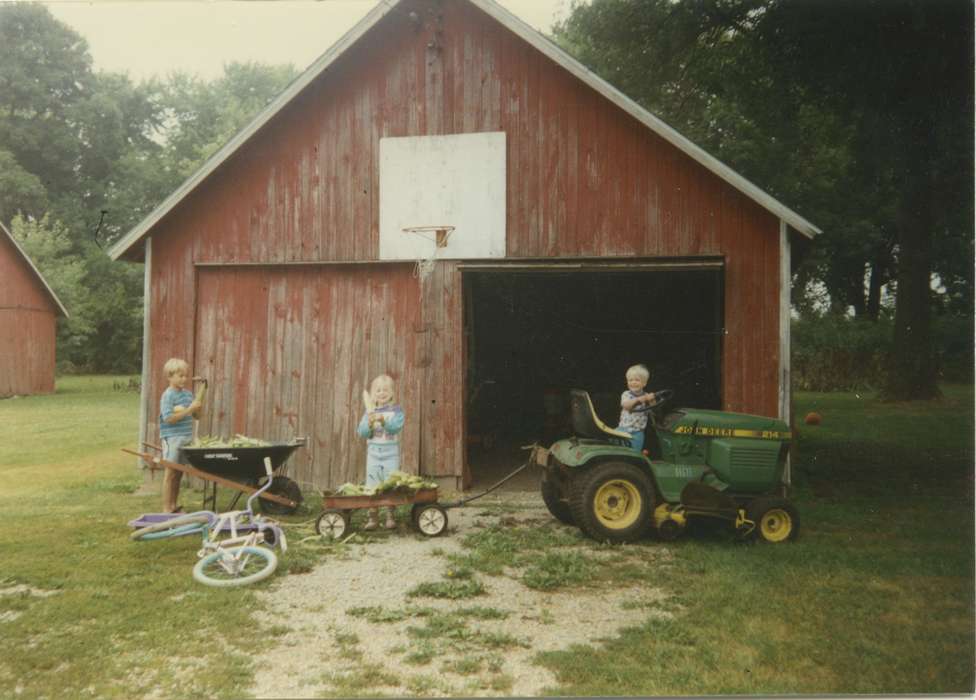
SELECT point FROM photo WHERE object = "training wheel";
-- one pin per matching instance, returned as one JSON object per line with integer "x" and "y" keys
{"x": 431, "y": 520}
{"x": 332, "y": 524}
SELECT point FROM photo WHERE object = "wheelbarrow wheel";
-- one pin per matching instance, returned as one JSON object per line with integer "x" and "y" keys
{"x": 430, "y": 519}
{"x": 186, "y": 524}
{"x": 235, "y": 566}
{"x": 286, "y": 488}
{"x": 332, "y": 524}
{"x": 776, "y": 519}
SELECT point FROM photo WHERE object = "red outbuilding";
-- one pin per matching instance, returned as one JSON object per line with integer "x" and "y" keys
{"x": 563, "y": 233}
{"x": 29, "y": 310}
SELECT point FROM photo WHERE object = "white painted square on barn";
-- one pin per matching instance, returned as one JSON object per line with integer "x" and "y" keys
{"x": 456, "y": 180}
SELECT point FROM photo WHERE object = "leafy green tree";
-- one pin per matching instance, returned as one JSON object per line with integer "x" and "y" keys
{"x": 902, "y": 72}
{"x": 696, "y": 65}
{"x": 858, "y": 115}
{"x": 44, "y": 69}
{"x": 84, "y": 156}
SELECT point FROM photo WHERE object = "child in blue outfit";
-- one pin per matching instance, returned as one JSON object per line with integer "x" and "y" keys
{"x": 177, "y": 409}
{"x": 634, "y": 405}
{"x": 381, "y": 425}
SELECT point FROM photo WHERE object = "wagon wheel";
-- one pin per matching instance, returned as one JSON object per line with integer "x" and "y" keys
{"x": 286, "y": 488}
{"x": 332, "y": 524}
{"x": 430, "y": 519}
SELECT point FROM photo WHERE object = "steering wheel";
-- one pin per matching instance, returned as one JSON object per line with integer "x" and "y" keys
{"x": 661, "y": 397}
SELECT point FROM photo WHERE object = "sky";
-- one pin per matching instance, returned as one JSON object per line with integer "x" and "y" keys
{"x": 152, "y": 37}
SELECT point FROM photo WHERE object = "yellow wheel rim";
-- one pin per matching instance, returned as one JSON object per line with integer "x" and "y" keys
{"x": 617, "y": 504}
{"x": 776, "y": 525}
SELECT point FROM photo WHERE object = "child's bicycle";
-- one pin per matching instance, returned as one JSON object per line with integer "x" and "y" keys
{"x": 232, "y": 554}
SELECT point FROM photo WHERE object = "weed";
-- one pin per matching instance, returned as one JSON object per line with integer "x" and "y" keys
{"x": 452, "y": 590}
{"x": 501, "y": 683}
{"x": 422, "y": 653}
{"x": 558, "y": 569}
{"x": 499, "y": 640}
{"x": 482, "y": 613}
{"x": 422, "y": 685}
{"x": 465, "y": 666}
{"x": 441, "y": 626}
{"x": 376, "y": 613}
{"x": 362, "y": 681}
{"x": 348, "y": 644}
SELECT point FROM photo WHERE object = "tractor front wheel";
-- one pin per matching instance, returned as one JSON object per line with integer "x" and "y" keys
{"x": 776, "y": 519}
{"x": 552, "y": 496}
{"x": 613, "y": 502}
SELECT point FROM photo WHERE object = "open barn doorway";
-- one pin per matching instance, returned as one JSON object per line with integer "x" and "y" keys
{"x": 534, "y": 332}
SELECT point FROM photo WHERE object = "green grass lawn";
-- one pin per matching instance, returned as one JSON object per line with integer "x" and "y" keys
{"x": 875, "y": 597}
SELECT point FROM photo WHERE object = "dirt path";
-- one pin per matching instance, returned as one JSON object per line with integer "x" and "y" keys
{"x": 394, "y": 644}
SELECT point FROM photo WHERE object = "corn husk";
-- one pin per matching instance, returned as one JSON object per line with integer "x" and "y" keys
{"x": 237, "y": 441}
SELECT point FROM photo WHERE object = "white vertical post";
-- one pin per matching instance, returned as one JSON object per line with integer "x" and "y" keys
{"x": 785, "y": 280}
{"x": 144, "y": 390}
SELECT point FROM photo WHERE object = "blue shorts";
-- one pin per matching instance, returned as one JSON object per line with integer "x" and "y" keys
{"x": 381, "y": 461}
{"x": 173, "y": 448}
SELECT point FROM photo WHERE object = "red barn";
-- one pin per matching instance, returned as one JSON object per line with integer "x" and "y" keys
{"x": 29, "y": 310}
{"x": 580, "y": 235}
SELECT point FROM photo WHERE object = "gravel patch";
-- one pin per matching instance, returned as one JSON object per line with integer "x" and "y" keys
{"x": 318, "y": 648}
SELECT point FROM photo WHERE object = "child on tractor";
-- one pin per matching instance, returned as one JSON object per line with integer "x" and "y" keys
{"x": 635, "y": 404}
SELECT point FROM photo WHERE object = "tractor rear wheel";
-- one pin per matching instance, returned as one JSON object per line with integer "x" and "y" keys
{"x": 613, "y": 502}
{"x": 553, "y": 497}
{"x": 776, "y": 519}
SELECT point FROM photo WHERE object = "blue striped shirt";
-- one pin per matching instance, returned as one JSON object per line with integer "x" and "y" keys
{"x": 171, "y": 399}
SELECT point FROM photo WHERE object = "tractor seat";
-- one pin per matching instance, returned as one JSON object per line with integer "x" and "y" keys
{"x": 587, "y": 424}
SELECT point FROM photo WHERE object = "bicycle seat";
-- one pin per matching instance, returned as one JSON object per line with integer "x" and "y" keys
{"x": 586, "y": 423}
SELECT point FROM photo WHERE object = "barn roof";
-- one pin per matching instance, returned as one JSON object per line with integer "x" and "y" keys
{"x": 528, "y": 34}
{"x": 37, "y": 273}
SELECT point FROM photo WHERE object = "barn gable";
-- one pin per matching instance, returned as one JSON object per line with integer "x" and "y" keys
{"x": 29, "y": 309}
{"x": 15, "y": 264}
{"x": 126, "y": 246}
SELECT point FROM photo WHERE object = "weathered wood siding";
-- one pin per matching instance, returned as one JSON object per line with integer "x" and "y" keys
{"x": 584, "y": 180}
{"x": 28, "y": 323}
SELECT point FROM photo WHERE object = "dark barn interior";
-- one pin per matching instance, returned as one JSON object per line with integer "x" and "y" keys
{"x": 531, "y": 335}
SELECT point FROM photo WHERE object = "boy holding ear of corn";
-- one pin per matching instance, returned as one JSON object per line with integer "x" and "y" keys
{"x": 177, "y": 409}
{"x": 381, "y": 425}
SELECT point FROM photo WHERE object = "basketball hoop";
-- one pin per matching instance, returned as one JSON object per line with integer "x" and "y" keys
{"x": 438, "y": 236}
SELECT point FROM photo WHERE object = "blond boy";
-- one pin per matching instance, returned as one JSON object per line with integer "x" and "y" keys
{"x": 177, "y": 409}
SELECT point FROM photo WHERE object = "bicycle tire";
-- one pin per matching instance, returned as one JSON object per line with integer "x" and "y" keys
{"x": 208, "y": 570}
{"x": 172, "y": 527}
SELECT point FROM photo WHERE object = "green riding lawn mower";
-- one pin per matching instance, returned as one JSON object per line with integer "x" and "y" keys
{"x": 700, "y": 465}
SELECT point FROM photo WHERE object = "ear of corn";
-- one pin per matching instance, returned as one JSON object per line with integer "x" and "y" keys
{"x": 237, "y": 441}
{"x": 397, "y": 481}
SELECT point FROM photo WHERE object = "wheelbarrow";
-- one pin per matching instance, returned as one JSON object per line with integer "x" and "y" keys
{"x": 239, "y": 468}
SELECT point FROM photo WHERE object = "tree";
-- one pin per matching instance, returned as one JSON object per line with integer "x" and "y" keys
{"x": 695, "y": 65}
{"x": 857, "y": 114}
{"x": 44, "y": 69}
{"x": 902, "y": 71}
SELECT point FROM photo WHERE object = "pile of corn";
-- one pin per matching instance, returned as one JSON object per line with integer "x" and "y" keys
{"x": 397, "y": 481}
{"x": 237, "y": 441}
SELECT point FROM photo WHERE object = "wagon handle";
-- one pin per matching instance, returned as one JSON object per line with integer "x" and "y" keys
{"x": 528, "y": 462}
